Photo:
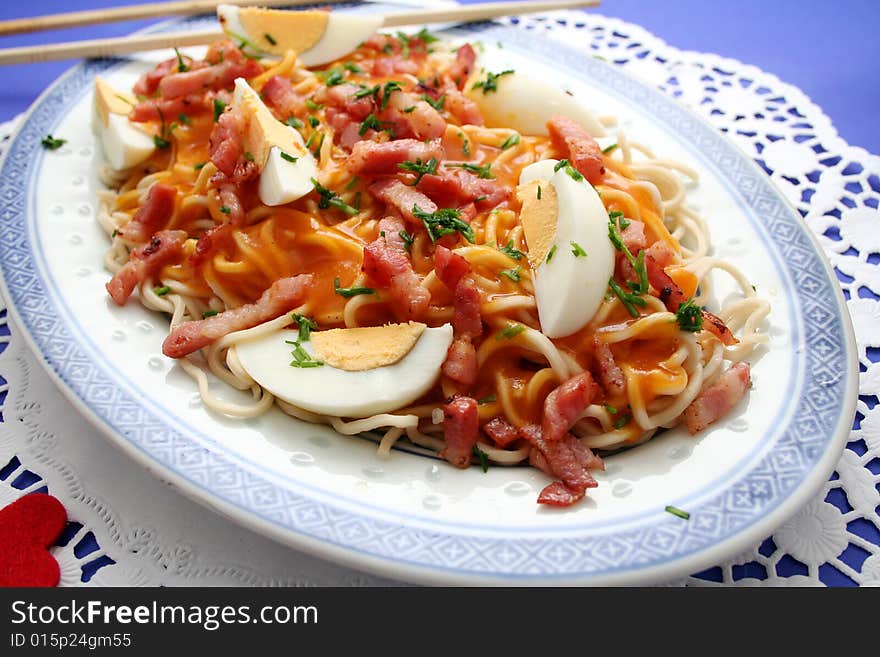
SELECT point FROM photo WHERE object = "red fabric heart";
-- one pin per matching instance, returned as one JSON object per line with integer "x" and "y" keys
{"x": 28, "y": 527}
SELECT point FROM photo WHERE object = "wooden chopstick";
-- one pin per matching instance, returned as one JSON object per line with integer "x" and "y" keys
{"x": 134, "y": 12}
{"x": 140, "y": 42}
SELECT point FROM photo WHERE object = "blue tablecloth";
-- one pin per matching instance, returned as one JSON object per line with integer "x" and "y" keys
{"x": 828, "y": 49}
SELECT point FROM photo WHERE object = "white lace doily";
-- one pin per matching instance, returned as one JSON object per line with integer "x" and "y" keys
{"x": 128, "y": 528}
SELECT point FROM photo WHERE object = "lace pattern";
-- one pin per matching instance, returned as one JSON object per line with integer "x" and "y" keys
{"x": 128, "y": 528}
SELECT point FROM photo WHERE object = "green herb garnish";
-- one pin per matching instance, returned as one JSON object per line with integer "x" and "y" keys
{"x": 199, "y": 166}
{"x": 684, "y": 515}
{"x": 622, "y": 421}
{"x": 225, "y": 209}
{"x": 513, "y": 140}
{"x": 161, "y": 142}
{"x": 305, "y": 325}
{"x": 387, "y": 90}
{"x": 312, "y": 105}
{"x": 628, "y": 299}
{"x": 510, "y": 331}
{"x": 489, "y": 399}
{"x": 610, "y": 409}
{"x": 551, "y": 253}
{"x": 161, "y": 291}
{"x": 608, "y": 149}
{"x": 270, "y": 39}
{"x": 333, "y": 77}
{"x": 512, "y": 274}
{"x": 331, "y": 199}
{"x": 482, "y": 172}
{"x": 314, "y": 122}
{"x": 181, "y": 67}
{"x": 209, "y": 313}
{"x": 436, "y": 104}
{"x": 573, "y": 173}
{"x": 491, "y": 81}
{"x": 483, "y": 458}
{"x": 354, "y": 68}
{"x": 370, "y": 123}
{"x": 419, "y": 169}
{"x": 349, "y": 292}
{"x": 367, "y": 91}
{"x": 293, "y": 122}
{"x": 577, "y": 250}
{"x": 301, "y": 357}
{"x": 689, "y": 316}
{"x": 511, "y": 252}
{"x": 407, "y": 240}
{"x": 444, "y": 222}
{"x": 219, "y": 106}
{"x": 288, "y": 157}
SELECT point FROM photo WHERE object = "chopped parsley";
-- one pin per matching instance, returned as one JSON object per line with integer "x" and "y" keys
{"x": 638, "y": 264}
{"x": 199, "y": 166}
{"x": 436, "y": 104}
{"x": 351, "y": 183}
{"x": 551, "y": 253}
{"x": 367, "y": 91}
{"x": 483, "y": 457}
{"x": 628, "y": 299}
{"x": 317, "y": 150}
{"x": 293, "y": 122}
{"x": 270, "y": 39}
{"x": 333, "y": 77}
{"x": 184, "y": 119}
{"x": 684, "y": 515}
{"x": 51, "y": 143}
{"x": 209, "y": 313}
{"x": 617, "y": 216}
{"x": 510, "y": 331}
{"x": 608, "y": 149}
{"x": 312, "y": 105}
{"x": 161, "y": 142}
{"x": 689, "y": 316}
{"x": 513, "y": 140}
{"x": 249, "y": 157}
{"x": 331, "y": 199}
{"x": 577, "y": 250}
{"x": 622, "y": 421}
{"x": 489, "y": 399}
{"x": 426, "y": 37}
{"x": 573, "y": 173}
{"x": 510, "y": 251}
{"x": 349, "y": 292}
{"x": 407, "y": 240}
{"x": 314, "y": 122}
{"x": 370, "y": 123}
{"x": 181, "y": 66}
{"x": 444, "y": 222}
{"x": 288, "y": 157}
{"x": 419, "y": 169}
{"x": 539, "y": 193}
{"x": 161, "y": 291}
{"x": 512, "y": 274}
{"x": 491, "y": 81}
{"x": 301, "y": 357}
{"x": 305, "y": 324}
{"x": 225, "y": 209}
{"x": 354, "y": 68}
{"x": 219, "y": 106}
{"x": 482, "y": 172}
{"x": 610, "y": 409}
{"x": 387, "y": 90}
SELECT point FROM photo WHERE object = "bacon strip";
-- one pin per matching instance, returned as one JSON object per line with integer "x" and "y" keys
{"x": 461, "y": 70}
{"x": 157, "y": 109}
{"x": 578, "y": 146}
{"x": 284, "y": 295}
{"x": 564, "y": 405}
{"x": 143, "y": 262}
{"x": 462, "y": 107}
{"x": 149, "y": 81}
{"x": 278, "y": 93}
{"x": 467, "y": 322}
{"x": 717, "y": 400}
{"x": 502, "y": 433}
{"x": 215, "y": 239}
{"x": 218, "y": 76}
{"x": 672, "y": 297}
{"x": 460, "y": 429}
{"x": 386, "y": 262}
{"x": 342, "y": 96}
{"x": 609, "y": 372}
{"x": 449, "y": 266}
{"x": 374, "y": 158}
{"x": 456, "y": 187}
{"x": 567, "y": 459}
{"x": 153, "y": 215}
{"x": 402, "y": 197}
{"x": 413, "y": 117}
{"x": 461, "y": 362}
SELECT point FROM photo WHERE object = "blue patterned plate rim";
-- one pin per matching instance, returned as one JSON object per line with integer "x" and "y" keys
{"x": 814, "y": 435}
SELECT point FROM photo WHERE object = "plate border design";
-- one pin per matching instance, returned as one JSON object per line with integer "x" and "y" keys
{"x": 660, "y": 547}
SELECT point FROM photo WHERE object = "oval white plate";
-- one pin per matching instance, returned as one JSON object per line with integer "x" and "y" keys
{"x": 413, "y": 517}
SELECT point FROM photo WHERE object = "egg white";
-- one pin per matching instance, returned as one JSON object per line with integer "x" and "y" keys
{"x": 331, "y": 391}
{"x": 570, "y": 289}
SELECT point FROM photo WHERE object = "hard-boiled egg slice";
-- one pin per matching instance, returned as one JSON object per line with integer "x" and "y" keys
{"x": 286, "y": 165}
{"x": 512, "y": 100}
{"x": 365, "y": 371}
{"x": 566, "y": 230}
{"x": 124, "y": 143}
{"x": 318, "y": 37}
